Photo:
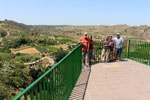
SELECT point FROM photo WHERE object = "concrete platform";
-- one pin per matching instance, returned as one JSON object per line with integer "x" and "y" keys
{"x": 125, "y": 80}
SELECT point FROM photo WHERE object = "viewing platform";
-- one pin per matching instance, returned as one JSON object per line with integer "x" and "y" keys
{"x": 124, "y": 80}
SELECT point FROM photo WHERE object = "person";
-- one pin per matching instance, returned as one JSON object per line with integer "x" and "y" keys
{"x": 91, "y": 49}
{"x": 106, "y": 50}
{"x": 111, "y": 47}
{"x": 118, "y": 49}
{"x": 85, "y": 49}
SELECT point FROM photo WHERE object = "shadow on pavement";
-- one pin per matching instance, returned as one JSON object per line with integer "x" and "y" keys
{"x": 79, "y": 90}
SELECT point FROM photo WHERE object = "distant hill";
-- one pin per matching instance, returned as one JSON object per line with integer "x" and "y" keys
{"x": 98, "y": 31}
{"x": 14, "y": 27}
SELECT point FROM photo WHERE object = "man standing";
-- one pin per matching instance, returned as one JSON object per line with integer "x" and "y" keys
{"x": 119, "y": 42}
{"x": 85, "y": 49}
{"x": 106, "y": 50}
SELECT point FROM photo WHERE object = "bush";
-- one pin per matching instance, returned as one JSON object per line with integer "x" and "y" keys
{"x": 18, "y": 42}
{"x": 17, "y": 79}
{"x": 5, "y": 50}
{"x": 3, "y": 95}
{"x": 59, "y": 54}
{"x": 3, "y": 33}
{"x": 47, "y": 42}
{"x": 5, "y": 56}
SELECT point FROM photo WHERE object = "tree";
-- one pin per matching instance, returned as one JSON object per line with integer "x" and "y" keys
{"x": 59, "y": 54}
{"x": 3, "y": 33}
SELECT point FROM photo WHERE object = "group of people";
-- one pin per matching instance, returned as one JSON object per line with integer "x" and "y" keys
{"x": 112, "y": 46}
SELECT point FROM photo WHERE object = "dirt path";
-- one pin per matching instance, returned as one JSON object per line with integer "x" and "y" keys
{"x": 50, "y": 59}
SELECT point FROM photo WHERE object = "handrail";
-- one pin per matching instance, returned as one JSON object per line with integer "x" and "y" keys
{"x": 50, "y": 70}
{"x": 139, "y": 51}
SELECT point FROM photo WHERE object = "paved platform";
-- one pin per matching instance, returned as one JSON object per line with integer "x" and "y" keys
{"x": 126, "y": 80}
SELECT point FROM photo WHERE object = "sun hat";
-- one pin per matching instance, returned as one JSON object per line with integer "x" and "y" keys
{"x": 118, "y": 33}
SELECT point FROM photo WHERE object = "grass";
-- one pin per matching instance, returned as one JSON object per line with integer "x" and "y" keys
{"x": 5, "y": 56}
{"x": 64, "y": 41}
{"x": 51, "y": 48}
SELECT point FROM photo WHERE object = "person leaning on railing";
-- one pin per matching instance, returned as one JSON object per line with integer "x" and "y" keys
{"x": 118, "y": 49}
{"x": 85, "y": 50}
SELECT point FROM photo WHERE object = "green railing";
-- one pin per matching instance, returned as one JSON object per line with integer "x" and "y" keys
{"x": 139, "y": 51}
{"x": 58, "y": 82}
{"x": 98, "y": 46}
{"x": 125, "y": 49}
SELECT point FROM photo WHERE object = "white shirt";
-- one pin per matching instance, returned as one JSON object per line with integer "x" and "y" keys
{"x": 118, "y": 41}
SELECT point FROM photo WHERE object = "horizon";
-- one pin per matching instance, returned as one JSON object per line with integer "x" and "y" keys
{"x": 77, "y": 13}
{"x": 75, "y": 25}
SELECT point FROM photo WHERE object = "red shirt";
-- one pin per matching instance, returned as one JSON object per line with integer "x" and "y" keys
{"x": 85, "y": 43}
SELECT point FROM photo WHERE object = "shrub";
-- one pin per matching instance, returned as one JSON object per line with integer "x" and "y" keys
{"x": 3, "y": 33}
{"x": 59, "y": 54}
{"x": 3, "y": 95}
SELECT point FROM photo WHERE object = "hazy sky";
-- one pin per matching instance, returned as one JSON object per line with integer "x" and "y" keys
{"x": 76, "y": 12}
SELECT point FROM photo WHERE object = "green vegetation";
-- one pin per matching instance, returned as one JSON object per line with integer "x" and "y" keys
{"x": 139, "y": 51}
{"x": 64, "y": 41}
{"x": 15, "y": 76}
{"x": 52, "y": 49}
{"x": 24, "y": 58}
{"x": 3, "y": 33}
{"x": 47, "y": 42}
{"x": 59, "y": 54}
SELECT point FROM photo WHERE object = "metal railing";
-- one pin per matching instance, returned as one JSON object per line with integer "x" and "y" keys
{"x": 58, "y": 82}
{"x": 98, "y": 46}
{"x": 139, "y": 51}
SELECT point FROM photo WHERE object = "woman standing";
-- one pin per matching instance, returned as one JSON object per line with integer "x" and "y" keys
{"x": 91, "y": 48}
{"x": 111, "y": 47}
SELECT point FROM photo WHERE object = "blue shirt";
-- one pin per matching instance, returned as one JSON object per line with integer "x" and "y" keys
{"x": 118, "y": 41}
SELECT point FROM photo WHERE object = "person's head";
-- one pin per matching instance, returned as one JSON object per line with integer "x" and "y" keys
{"x": 90, "y": 37}
{"x": 106, "y": 37}
{"x": 85, "y": 35}
{"x": 118, "y": 35}
{"x": 110, "y": 37}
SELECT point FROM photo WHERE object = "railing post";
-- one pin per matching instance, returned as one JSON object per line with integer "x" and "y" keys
{"x": 128, "y": 48}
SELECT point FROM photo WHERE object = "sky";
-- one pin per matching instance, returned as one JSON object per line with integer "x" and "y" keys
{"x": 76, "y": 12}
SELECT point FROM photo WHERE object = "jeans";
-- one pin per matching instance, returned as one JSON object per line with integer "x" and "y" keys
{"x": 118, "y": 52}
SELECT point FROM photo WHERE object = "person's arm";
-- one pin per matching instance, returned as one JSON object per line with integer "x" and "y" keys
{"x": 108, "y": 44}
{"x": 114, "y": 40}
{"x": 122, "y": 42}
{"x": 80, "y": 40}
{"x": 88, "y": 45}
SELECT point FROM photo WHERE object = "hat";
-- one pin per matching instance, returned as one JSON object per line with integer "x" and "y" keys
{"x": 118, "y": 33}
{"x": 85, "y": 33}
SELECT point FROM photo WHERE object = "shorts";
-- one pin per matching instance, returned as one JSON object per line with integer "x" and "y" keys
{"x": 118, "y": 52}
